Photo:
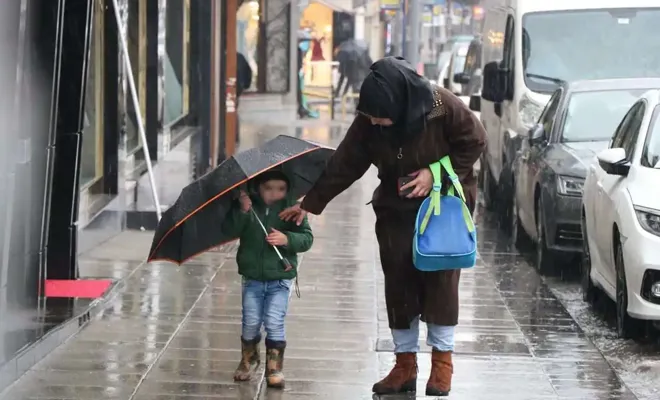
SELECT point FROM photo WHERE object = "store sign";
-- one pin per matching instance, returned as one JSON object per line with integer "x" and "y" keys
{"x": 390, "y": 4}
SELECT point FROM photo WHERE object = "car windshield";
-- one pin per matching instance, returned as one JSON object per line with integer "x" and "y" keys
{"x": 651, "y": 152}
{"x": 590, "y": 44}
{"x": 594, "y": 116}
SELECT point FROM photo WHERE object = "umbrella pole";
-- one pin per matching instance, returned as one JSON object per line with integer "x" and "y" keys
{"x": 286, "y": 263}
{"x": 136, "y": 106}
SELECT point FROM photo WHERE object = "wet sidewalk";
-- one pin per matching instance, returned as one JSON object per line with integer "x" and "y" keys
{"x": 173, "y": 333}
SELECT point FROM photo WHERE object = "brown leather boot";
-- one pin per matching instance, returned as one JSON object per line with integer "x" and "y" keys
{"x": 250, "y": 359}
{"x": 439, "y": 383}
{"x": 275, "y": 363}
{"x": 402, "y": 378}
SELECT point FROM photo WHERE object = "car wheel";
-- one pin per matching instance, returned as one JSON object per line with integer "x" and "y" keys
{"x": 589, "y": 291}
{"x": 488, "y": 188}
{"x": 627, "y": 327}
{"x": 545, "y": 258}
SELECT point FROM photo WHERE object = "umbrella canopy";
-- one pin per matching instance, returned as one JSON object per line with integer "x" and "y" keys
{"x": 353, "y": 55}
{"x": 192, "y": 225}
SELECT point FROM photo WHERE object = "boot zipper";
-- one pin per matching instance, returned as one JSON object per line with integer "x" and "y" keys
{"x": 400, "y": 155}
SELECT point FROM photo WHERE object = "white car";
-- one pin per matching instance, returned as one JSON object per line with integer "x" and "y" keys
{"x": 621, "y": 219}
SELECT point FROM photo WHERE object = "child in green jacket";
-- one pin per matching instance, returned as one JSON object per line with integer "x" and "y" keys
{"x": 266, "y": 283}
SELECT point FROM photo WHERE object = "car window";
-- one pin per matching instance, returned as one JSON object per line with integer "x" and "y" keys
{"x": 627, "y": 137}
{"x": 651, "y": 151}
{"x": 630, "y": 140}
{"x": 594, "y": 116}
{"x": 548, "y": 116}
{"x": 560, "y": 44}
{"x": 471, "y": 61}
{"x": 621, "y": 130}
{"x": 509, "y": 58}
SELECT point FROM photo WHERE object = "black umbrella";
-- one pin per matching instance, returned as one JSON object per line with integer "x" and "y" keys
{"x": 192, "y": 225}
{"x": 352, "y": 50}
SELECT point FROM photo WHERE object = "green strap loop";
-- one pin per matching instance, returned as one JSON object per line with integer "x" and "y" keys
{"x": 434, "y": 207}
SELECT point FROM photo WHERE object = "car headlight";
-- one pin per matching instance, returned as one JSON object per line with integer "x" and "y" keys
{"x": 569, "y": 186}
{"x": 530, "y": 111}
{"x": 649, "y": 219}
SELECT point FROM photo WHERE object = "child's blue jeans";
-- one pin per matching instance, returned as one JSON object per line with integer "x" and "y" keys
{"x": 439, "y": 337}
{"x": 265, "y": 303}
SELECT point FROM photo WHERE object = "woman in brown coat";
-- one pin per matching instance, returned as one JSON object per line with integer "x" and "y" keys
{"x": 404, "y": 124}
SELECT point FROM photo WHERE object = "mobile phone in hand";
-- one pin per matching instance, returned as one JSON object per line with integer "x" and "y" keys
{"x": 402, "y": 182}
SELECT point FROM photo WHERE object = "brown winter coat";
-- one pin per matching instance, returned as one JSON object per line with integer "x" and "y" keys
{"x": 451, "y": 130}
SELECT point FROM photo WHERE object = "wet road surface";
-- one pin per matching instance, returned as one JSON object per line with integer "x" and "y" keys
{"x": 173, "y": 333}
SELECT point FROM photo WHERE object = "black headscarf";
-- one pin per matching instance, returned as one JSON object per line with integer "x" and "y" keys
{"x": 394, "y": 90}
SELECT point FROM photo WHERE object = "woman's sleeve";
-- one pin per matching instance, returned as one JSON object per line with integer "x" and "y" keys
{"x": 466, "y": 135}
{"x": 348, "y": 164}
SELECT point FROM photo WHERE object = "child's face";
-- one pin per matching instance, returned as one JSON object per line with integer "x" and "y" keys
{"x": 272, "y": 191}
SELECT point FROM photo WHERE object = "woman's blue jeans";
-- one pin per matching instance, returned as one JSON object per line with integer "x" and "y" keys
{"x": 265, "y": 304}
{"x": 439, "y": 337}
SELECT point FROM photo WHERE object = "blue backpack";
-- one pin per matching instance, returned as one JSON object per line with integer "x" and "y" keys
{"x": 445, "y": 234}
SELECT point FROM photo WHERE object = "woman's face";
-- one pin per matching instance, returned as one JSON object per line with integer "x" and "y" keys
{"x": 381, "y": 121}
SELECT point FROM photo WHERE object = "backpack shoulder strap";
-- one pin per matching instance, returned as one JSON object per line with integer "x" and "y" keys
{"x": 434, "y": 207}
{"x": 456, "y": 183}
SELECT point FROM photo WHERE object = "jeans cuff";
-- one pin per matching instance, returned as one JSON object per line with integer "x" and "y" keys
{"x": 253, "y": 340}
{"x": 275, "y": 344}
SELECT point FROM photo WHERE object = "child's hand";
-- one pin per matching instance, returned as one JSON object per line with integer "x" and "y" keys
{"x": 277, "y": 238}
{"x": 246, "y": 203}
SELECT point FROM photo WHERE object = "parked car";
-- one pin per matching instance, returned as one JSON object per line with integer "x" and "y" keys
{"x": 445, "y": 57}
{"x": 621, "y": 219}
{"x": 456, "y": 64}
{"x": 550, "y": 168}
{"x": 470, "y": 77}
{"x": 531, "y": 46}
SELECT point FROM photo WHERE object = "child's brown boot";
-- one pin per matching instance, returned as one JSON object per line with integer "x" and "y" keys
{"x": 275, "y": 363}
{"x": 250, "y": 359}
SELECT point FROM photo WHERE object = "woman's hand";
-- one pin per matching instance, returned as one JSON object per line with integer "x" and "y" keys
{"x": 422, "y": 184}
{"x": 294, "y": 213}
{"x": 246, "y": 203}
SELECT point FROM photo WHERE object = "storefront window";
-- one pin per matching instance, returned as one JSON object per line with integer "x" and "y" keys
{"x": 176, "y": 59}
{"x": 92, "y": 137}
{"x": 247, "y": 35}
{"x": 317, "y": 20}
{"x": 136, "y": 29}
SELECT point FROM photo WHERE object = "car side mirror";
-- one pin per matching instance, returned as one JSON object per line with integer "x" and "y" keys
{"x": 613, "y": 161}
{"x": 461, "y": 78}
{"x": 537, "y": 135}
{"x": 445, "y": 83}
{"x": 493, "y": 84}
{"x": 475, "y": 102}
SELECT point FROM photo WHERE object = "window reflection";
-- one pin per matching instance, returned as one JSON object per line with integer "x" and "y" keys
{"x": 176, "y": 59}
{"x": 247, "y": 35}
{"x": 92, "y": 143}
{"x": 137, "y": 39}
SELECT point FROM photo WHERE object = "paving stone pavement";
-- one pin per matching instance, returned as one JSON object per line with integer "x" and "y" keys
{"x": 173, "y": 332}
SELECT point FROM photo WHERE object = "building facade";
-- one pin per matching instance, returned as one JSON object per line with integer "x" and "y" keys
{"x": 72, "y": 162}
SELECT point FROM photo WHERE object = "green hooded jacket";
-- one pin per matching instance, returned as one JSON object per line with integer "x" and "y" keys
{"x": 256, "y": 259}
